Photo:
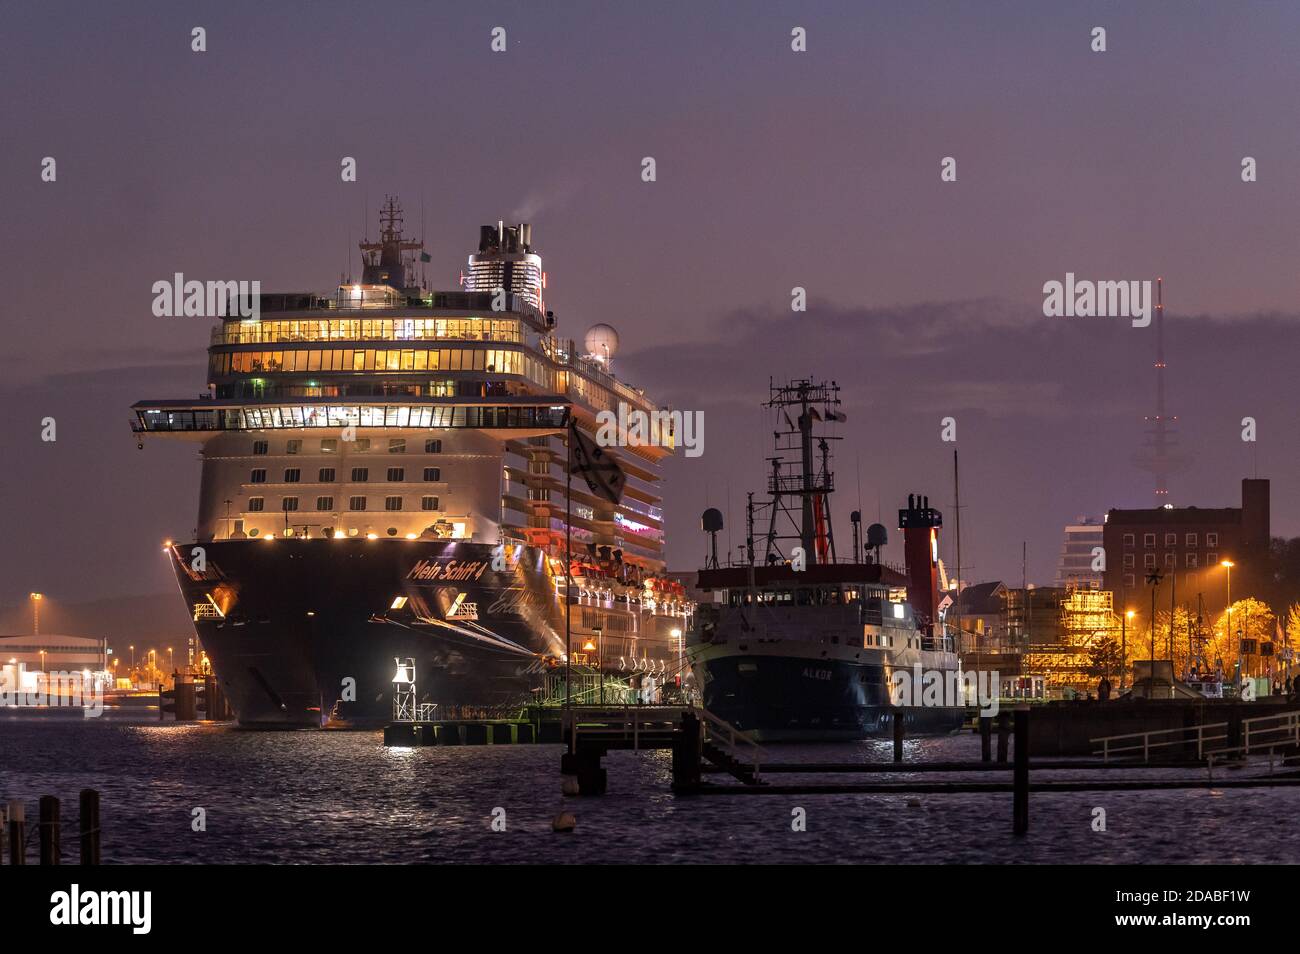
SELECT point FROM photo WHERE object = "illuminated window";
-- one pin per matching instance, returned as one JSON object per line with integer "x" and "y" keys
{"x": 360, "y": 474}
{"x": 256, "y": 504}
{"x": 289, "y": 504}
{"x": 392, "y": 503}
{"x": 396, "y": 475}
{"x": 329, "y": 445}
{"x": 428, "y": 503}
{"x": 292, "y": 475}
{"x": 258, "y": 476}
{"x": 326, "y": 475}
{"x": 324, "y": 503}
{"x": 356, "y": 503}
{"x": 432, "y": 473}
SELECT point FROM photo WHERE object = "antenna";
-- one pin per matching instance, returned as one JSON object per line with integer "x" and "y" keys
{"x": 1161, "y": 456}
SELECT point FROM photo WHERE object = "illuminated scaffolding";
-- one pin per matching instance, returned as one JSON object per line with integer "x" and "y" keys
{"x": 1087, "y": 621}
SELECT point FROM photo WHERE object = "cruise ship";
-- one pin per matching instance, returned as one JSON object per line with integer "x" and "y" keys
{"x": 384, "y": 473}
{"x": 802, "y": 645}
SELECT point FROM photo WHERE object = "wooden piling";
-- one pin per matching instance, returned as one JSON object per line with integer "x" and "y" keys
{"x": 1004, "y": 731}
{"x": 986, "y": 738}
{"x": 89, "y": 820}
{"x": 185, "y": 694}
{"x": 898, "y": 734}
{"x": 17, "y": 834}
{"x": 1020, "y": 776}
{"x": 688, "y": 755}
{"x": 50, "y": 853}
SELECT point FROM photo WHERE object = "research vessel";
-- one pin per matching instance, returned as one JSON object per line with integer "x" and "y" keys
{"x": 796, "y": 644}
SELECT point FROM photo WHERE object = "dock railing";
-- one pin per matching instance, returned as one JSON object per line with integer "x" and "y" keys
{"x": 1266, "y": 733}
{"x": 731, "y": 740}
{"x": 625, "y": 723}
{"x": 1156, "y": 739}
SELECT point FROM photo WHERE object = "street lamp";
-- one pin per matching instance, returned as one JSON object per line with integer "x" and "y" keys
{"x": 1123, "y": 646}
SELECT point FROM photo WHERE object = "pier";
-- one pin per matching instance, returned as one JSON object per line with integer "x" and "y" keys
{"x": 703, "y": 745}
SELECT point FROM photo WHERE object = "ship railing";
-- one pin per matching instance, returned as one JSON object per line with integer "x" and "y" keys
{"x": 731, "y": 740}
{"x": 1144, "y": 742}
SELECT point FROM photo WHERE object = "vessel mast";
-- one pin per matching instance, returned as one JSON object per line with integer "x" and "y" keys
{"x": 794, "y": 474}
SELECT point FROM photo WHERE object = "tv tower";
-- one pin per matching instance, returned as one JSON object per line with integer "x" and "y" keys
{"x": 1160, "y": 455}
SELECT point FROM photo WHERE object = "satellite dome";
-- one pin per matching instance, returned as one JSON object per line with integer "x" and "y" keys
{"x": 601, "y": 341}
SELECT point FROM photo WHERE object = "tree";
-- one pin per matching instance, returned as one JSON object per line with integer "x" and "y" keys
{"x": 1104, "y": 657}
{"x": 1251, "y": 619}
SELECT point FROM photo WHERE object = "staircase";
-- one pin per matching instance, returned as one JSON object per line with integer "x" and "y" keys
{"x": 730, "y": 749}
{"x": 745, "y": 772}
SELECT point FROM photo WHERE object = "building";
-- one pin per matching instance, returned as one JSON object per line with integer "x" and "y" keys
{"x": 1034, "y": 615}
{"x": 1078, "y": 556}
{"x": 25, "y": 659}
{"x": 1188, "y": 545}
{"x": 981, "y": 612}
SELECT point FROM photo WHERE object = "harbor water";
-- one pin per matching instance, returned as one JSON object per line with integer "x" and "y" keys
{"x": 342, "y": 797}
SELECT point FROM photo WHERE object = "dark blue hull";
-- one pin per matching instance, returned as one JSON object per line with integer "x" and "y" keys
{"x": 790, "y": 698}
{"x": 307, "y": 629}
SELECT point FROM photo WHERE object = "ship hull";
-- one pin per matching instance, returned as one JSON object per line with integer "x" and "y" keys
{"x": 298, "y": 631}
{"x": 800, "y": 692}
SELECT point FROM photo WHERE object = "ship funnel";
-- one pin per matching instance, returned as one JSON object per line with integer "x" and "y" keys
{"x": 920, "y": 525}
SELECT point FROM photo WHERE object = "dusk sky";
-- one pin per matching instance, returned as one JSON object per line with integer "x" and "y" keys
{"x": 775, "y": 169}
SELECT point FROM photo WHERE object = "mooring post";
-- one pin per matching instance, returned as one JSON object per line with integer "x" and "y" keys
{"x": 89, "y": 826}
{"x": 688, "y": 756}
{"x": 49, "y": 830}
{"x": 17, "y": 835}
{"x": 1004, "y": 731}
{"x": 1020, "y": 808}
{"x": 898, "y": 734}
{"x": 986, "y": 738}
